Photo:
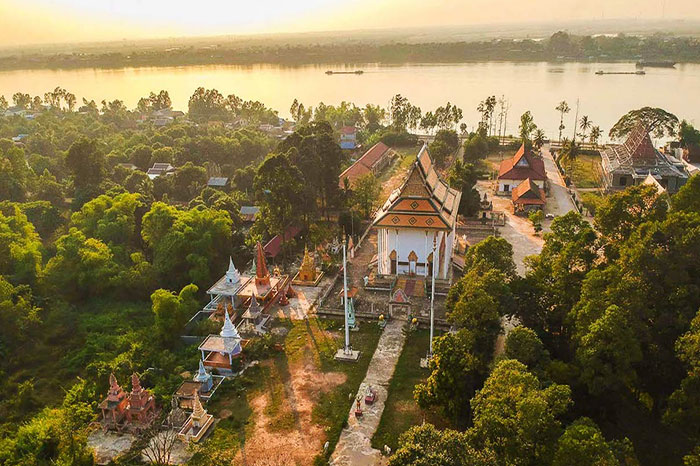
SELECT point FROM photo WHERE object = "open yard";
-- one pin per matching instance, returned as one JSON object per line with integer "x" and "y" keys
{"x": 401, "y": 411}
{"x": 585, "y": 172}
{"x": 283, "y": 410}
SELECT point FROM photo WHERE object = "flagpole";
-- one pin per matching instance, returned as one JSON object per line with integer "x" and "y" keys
{"x": 345, "y": 298}
{"x": 432, "y": 305}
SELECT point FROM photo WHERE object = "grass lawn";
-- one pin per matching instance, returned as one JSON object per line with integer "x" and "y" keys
{"x": 585, "y": 171}
{"x": 401, "y": 411}
{"x": 314, "y": 340}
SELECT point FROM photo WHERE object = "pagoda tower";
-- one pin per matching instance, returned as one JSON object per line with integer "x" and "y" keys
{"x": 232, "y": 275}
{"x": 114, "y": 406}
{"x": 262, "y": 275}
{"x": 142, "y": 405}
{"x": 228, "y": 330}
{"x": 204, "y": 378}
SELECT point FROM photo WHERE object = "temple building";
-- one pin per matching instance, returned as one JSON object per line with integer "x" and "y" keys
{"x": 522, "y": 166}
{"x": 114, "y": 406}
{"x": 204, "y": 383}
{"x": 197, "y": 424}
{"x": 527, "y": 196}
{"x": 219, "y": 351}
{"x": 141, "y": 411}
{"x": 422, "y": 211}
{"x": 253, "y": 320}
{"x": 630, "y": 163}
{"x": 233, "y": 290}
{"x": 308, "y": 275}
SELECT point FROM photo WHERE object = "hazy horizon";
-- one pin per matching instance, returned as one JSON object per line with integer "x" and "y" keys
{"x": 46, "y": 22}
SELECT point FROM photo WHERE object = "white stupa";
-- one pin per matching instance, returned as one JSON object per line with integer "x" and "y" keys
{"x": 232, "y": 275}
{"x": 229, "y": 330}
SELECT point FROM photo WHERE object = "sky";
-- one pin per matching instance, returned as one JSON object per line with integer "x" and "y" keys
{"x": 60, "y": 21}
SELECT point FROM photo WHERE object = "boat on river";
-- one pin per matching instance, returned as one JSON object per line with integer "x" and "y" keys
{"x": 656, "y": 64}
{"x": 638, "y": 73}
{"x": 344, "y": 72}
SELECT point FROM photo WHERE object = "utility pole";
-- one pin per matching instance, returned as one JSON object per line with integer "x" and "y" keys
{"x": 432, "y": 305}
{"x": 573, "y": 140}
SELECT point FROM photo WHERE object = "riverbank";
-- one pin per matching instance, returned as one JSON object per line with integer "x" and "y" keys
{"x": 560, "y": 47}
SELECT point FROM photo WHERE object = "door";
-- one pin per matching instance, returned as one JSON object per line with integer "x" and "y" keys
{"x": 412, "y": 259}
{"x": 392, "y": 260}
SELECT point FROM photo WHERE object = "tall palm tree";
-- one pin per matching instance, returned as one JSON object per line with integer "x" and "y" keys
{"x": 585, "y": 125}
{"x": 569, "y": 153}
{"x": 538, "y": 139}
{"x": 562, "y": 108}
{"x": 595, "y": 135}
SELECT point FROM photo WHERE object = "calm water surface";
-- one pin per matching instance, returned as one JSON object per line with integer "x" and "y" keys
{"x": 537, "y": 87}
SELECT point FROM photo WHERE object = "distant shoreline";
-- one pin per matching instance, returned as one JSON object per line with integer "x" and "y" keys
{"x": 559, "y": 48}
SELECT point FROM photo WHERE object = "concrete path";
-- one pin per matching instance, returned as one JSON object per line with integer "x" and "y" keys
{"x": 559, "y": 201}
{"x": 354, "y": 447}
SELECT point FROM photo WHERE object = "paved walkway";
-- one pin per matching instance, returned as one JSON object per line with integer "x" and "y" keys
{"x": 354, "y": 447}
{"x": 559, "y": 201}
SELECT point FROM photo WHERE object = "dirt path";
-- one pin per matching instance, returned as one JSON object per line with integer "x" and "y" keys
{"x": 284, "y": 433}
{"x": 355, "y": 445}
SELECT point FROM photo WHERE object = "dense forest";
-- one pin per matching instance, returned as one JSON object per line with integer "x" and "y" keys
{"x": 561, "y": 46}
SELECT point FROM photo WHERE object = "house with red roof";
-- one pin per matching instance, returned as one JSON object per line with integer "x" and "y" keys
{"x": 522, "y": 166}
{"x": 372, "y": 161}
{"x": 348, "y": 137}
{"x": 527, "y": 196}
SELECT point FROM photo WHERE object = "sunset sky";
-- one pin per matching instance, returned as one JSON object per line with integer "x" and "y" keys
{"x": 56, "y": 21}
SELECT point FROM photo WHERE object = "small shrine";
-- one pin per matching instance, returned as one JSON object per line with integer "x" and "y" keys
{"x": 142, "y": 406}
{"x": 114, "y": 406}
{"x": 308, "y": 275}
{"x": 352, "y": 294}
{"x": 224, "y": 292}
{"x": 262, "y": 285}
{"x": 204, "y": 383}
{"x": 218, "y": 351}
{"x": 400, "y": 303}
{"x": 177, "y": 416}
{"x": 254, "y": 321}
{"x": 197, "y": 424}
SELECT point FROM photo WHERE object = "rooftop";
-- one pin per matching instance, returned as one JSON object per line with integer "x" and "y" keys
{"x": 521, "y": 166}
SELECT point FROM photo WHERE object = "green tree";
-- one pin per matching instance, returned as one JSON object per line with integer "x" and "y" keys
{"x": 87, "y": 164}
{"x": 527, "y": 126}
{"x": 172, "y": 312}
{"x": 365, "y": 194}
{"x": 583, "y": 444}
{"x": 657, "y": 121}
{"x": 516, "y": 418}
{"x": 563, "y": 108}
{"x": 455, "y": 373}
{"x": 188, "y": 181}
{"x": 608, "y": 352}
{"x": 688, "y": 197}
{"x": 425, "y": 445}
{"x": 523, "y": 344}
{"x": 491, "y": 253}
{"x": 463, "y": 177}
{"x": 536, "y": 217}
{"x": 20, "y": 245}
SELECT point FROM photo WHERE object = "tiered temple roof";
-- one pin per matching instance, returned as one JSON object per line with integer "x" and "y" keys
{"x": 637, "y": 157}
{"x": 424, "y": 201}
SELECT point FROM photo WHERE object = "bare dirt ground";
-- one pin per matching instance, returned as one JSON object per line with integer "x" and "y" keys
{"x": 284, "y": 433}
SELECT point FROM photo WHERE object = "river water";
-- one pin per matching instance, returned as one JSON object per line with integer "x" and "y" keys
{"x": 537, "y": 87}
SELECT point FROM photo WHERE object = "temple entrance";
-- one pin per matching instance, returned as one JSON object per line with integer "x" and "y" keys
{"x": 412, "y": 259}
{"x": 392, "y": 260}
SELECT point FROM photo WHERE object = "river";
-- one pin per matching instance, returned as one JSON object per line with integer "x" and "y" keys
{"x": 537, "y": 87}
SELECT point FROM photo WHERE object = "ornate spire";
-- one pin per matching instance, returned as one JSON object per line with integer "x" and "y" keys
{"x": 262, "y": 276}
{"x": 254, "y": 307}
{"x": 202, "y": 374}
{"x": 115, "y": 393}
{"x": 232, "y": 275}
{"x": 135, "y": 383}
{"x": 228, "y": 330}
{"x": 198, "y": 412}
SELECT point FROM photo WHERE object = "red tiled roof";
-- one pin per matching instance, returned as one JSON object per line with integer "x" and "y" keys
{"x": 509, "y": 169}
{"x": 274, "y": 246}
{"x": 528, "y": 193}
{"x": 348, "y": 130}
{"x": 364, "y": 164}
{"x": 639, "y": 146}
